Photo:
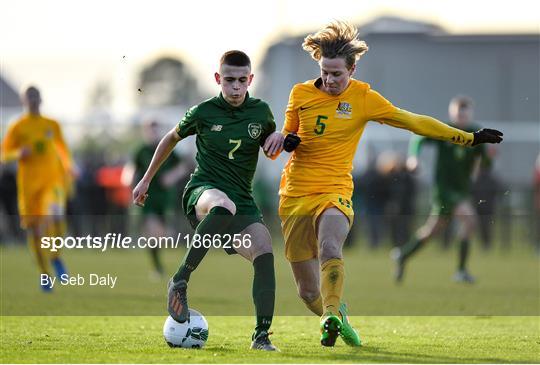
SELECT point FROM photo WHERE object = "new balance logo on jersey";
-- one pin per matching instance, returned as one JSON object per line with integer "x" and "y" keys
{"x": 216, "y": 128}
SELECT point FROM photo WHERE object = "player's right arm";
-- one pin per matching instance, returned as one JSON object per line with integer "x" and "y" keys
{"x": 11, "y": 149}
{"x": 292, "y": 120}
{"x": 163, "y": 150}
{"x": 288, "y": 139}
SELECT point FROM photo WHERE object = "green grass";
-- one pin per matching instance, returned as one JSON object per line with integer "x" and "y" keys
{"x": 427, "y": 319}
{"x": 387, "y": 340}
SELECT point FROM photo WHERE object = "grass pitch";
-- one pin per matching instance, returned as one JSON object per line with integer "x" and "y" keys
{"x": 386, "y": 340}
{"x": 427, "y": 319}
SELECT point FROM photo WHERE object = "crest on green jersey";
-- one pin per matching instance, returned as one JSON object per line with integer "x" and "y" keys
{"x": 254, "y": 130}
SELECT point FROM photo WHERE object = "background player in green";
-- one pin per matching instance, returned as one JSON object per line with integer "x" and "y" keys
{"x": 230, "y": 130}
{"x": 161, "y": 190}
{"x": 454, "y": 168}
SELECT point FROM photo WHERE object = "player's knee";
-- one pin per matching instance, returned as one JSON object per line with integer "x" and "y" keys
{"x": 308, "y": 294}
{"x": 260, "y": 249}
{"x": 470, "y": 225}
{"x": 224, "y": 202}
{"x": 330, "y": 247}
{"x": 260, "y": 242}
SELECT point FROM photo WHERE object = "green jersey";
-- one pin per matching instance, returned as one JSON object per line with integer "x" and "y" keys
{"x": 454, "y": 163}
{"x": 228, "y": 142}
{"x": 159, "y": 196}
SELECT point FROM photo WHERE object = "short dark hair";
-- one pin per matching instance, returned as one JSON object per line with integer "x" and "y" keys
{"x": 462, "y": 101}
{"x": 235, "y": 58}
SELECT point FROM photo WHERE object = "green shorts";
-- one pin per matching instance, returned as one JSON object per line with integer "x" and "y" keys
{"x": 445, "y": 202}
{"x": 247, "y": 211}
{"x": 157, "y": 204}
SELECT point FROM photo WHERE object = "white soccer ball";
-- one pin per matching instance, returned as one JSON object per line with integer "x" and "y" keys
{"x": 193, "y": 333}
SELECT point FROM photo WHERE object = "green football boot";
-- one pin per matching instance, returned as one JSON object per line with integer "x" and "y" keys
{"x": 330, "y": 329}
{"x": 348, "y": 334}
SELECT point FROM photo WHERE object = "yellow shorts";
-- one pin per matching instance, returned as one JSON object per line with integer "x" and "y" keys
{"x": 36, "y": 205}
{"x": 299, "y": 222}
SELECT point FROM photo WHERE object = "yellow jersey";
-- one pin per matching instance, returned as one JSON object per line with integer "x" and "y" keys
{"x": 49, "y": 160}
{"x": 330, "y": 127}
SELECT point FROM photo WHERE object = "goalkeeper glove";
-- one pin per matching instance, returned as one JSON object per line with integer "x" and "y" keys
{"x": 487, "y": 135}
{"x": 291, "y": 142}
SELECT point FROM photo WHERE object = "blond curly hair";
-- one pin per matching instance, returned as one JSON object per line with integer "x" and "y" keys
{"x": 337, "y": 39}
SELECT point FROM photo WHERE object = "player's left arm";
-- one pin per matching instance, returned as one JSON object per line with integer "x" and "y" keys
{"x": 63, "y": 151}
{"x": 430, "y": 127}
{"x": 379, "y": 109}
{"x": 271, "y": 141}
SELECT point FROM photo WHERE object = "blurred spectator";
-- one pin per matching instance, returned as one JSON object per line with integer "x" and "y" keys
{"x": 118, "y": 197}
{"x": 401, "y": 206}
{"x": 9, "y": 224}
{"x": 374, "y": 186}
{"x": 161, "y": 192}
{"x": 485, "y": 190}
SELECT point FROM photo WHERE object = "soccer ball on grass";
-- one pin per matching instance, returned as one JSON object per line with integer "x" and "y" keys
{"x": 191, "y": 334}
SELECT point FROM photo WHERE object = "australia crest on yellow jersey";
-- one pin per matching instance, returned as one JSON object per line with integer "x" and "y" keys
{"x": 344, "y": 110}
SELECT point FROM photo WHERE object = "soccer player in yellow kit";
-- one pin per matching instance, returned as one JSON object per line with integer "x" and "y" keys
{"x": 329, "y": 115}
{"x": 43, "y": 177}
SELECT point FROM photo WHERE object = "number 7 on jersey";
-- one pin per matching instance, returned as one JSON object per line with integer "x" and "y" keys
{"x": 237, "y": 142}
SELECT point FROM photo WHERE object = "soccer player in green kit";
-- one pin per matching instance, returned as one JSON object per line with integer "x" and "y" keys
{"x": 161, "y": 190}
{"x": 454, "y": 168}
{"x": 230, "y": 129}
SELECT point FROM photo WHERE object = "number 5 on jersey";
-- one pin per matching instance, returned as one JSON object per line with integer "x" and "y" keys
{"x": 237, "y": 143}
{"x": 320, "y": 125}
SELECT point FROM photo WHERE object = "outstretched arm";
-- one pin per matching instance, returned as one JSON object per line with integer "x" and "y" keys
{"x": 430, "y": 127}
{"x": 163, "y": 150}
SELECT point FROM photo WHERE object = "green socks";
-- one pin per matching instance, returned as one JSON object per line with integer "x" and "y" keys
{"x": 463, "y": 254}
{"x": 264, "y": 291}
{"x": 411, "y": 247}
{"x": 217, "y": 221}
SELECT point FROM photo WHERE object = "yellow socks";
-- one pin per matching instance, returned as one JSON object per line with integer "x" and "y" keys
{"x": 41, "y": 254}
{"x": 332, "y": 275}
{"x": 57, "y": 228}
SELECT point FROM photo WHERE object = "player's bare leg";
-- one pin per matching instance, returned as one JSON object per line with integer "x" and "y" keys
{"x": 259, "y": 253}
{"x": 153, "y": 226}
{"x": 433, "y": 225}
{"x": 307, "y": 278}
{"x": 56, "y": 226}
{"x": 466, "y": 215}
{"x": 34, "y": 233}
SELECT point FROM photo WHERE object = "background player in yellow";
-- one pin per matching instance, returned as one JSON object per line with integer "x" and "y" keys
{"x": 329, "y": 115}
{"x": 43, "y": 177}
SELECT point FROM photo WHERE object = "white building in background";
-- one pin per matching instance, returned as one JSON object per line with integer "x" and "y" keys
{"x": 10, "y": 104}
